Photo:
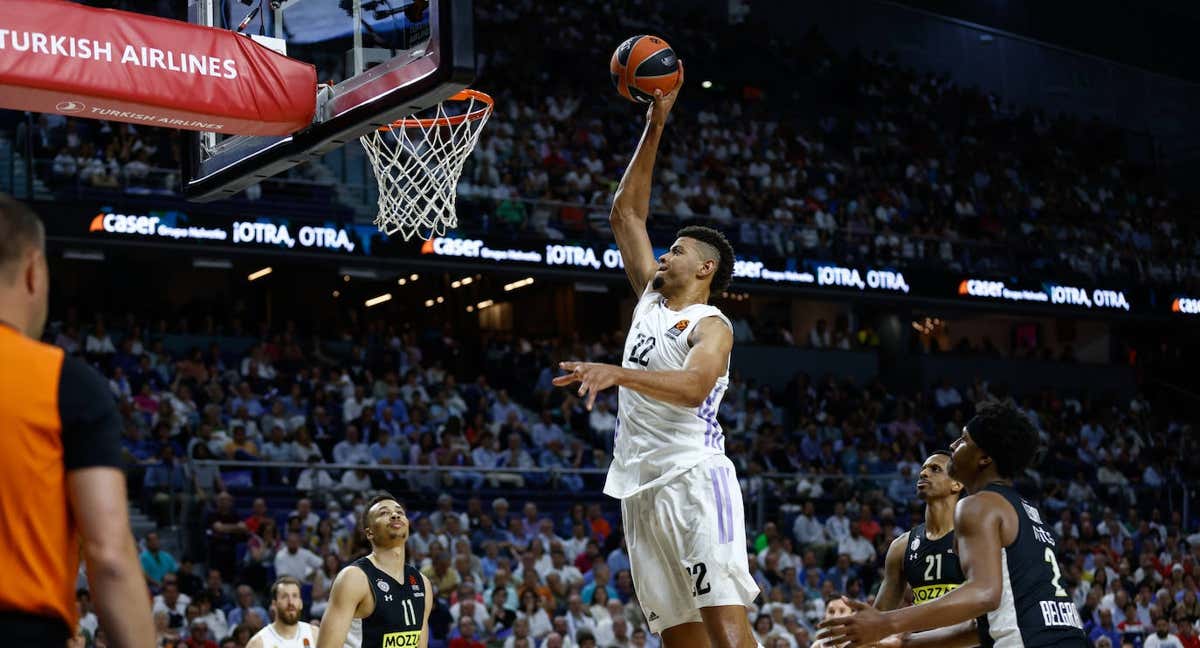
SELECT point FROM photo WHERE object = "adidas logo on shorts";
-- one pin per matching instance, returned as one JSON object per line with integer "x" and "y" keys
{"x": 653, "y": 616}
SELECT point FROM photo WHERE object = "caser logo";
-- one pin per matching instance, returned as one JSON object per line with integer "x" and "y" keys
{"x": 1186, "y": 305}
{"x": 979, "y": 288}
{"x": 70, "y": 107}
{"x": 124, "y": 224}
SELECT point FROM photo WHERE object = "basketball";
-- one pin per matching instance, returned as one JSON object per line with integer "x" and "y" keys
{"x": 643, "y": 64}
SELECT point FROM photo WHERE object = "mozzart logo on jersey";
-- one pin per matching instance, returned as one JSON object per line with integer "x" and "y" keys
{"x": 407, "y": 639}
{"x": 1050, "y": 293}
{"x": 172, "y": 225}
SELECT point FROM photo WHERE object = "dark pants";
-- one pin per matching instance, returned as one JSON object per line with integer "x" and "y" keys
{"x": 31, "y": 631}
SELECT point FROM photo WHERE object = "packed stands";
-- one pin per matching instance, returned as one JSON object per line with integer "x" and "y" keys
{"x": 833, "y": 464}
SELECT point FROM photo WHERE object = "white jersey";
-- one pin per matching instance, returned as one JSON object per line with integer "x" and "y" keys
{"x": 656, "y": 441}
{"x": 305, "y": 637}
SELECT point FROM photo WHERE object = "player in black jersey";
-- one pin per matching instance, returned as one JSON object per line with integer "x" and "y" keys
{"x": 924, "y": 558}
{"x": 1013, "y": 596}
{"x": 392, "y": 598}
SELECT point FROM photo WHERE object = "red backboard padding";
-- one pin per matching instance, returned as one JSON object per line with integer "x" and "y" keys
{"x": 61, "y": 57}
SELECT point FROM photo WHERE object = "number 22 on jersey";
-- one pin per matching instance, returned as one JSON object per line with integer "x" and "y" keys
{"x": 642, "y": 346}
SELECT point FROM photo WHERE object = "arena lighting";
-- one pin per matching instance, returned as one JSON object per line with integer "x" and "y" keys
{"x": 259, "y": 274}
{"x": 465, "y": 281}
{"x": 402, "y": 281}
{"x": 429, "y": 303}
{"x": 440, "y": 299}
{"x": 215, "y": 264}
{"x": 706, "y": 84}
{"x": 375, "y": 301}
{"x": 484, "y": 304}
{"x": 358, "y": 273}
{"x": 413, "y": 277}
{"x": 470, "y": 309}
{"x": 337, "y": 293}
{"x": 518, "y": 284}
{"x": 84, "y": 255}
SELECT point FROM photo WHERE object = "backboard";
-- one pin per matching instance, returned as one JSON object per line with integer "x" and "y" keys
{"x": 385, "y": 59}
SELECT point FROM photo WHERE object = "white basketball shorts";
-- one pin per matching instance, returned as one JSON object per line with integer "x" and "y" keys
{"x": 687, "y": 545}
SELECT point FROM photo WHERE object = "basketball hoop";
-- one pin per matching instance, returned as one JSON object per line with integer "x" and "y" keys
{"x": 418, "y": 161}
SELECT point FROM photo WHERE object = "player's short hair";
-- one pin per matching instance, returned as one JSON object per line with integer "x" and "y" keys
{"x": 284, "y": 580}
{"x": 382, "y": 497}
{"x": 1006, "y": 434}
{"x": 724, "y": 272}
{"x": 941, "y": 452}
{"x": 20, "y": 230}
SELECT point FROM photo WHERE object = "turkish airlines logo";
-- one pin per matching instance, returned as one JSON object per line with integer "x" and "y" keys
{"x": 70, "y": 107}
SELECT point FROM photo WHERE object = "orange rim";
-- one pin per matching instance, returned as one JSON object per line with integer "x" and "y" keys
{"x": 462, "y": 95}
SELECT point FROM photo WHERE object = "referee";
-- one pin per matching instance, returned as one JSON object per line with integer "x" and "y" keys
{"x": 61, "y": 484}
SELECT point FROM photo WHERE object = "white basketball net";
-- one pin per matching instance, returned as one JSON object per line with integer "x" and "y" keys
{"x": 417, "y": 163}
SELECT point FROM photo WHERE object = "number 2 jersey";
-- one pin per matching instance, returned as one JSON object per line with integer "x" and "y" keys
{"x": 656, "y": 441}
{"x": 1035, "y": 609}
{"x": 931, "y": 566}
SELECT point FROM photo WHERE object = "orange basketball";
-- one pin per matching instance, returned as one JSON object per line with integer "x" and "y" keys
{"x": 643, "y": 64}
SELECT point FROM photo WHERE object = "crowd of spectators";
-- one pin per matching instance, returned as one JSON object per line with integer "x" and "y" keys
{"x": 896, "y": 167}
{"x": 833, "y": 462}
{"x": 850, "y": 158}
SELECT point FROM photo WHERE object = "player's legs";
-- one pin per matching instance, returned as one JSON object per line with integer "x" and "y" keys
{"x": 689, "y": 556}
{"x": 727, "y": 626}
{"x": 686, "y": 635}
{"x": 663, "y": 589}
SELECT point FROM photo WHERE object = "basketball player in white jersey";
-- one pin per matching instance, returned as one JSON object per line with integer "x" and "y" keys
{"x": 287, "y": 630}
{"x": 680, "y": 500}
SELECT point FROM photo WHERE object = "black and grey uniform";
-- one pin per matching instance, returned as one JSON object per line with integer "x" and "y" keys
{"x": 399, "y": 607}
{"x": 1035, "y": 609}
{"x": 931, "y": 566}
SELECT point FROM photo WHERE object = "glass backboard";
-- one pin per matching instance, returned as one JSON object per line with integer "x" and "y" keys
{"x": 379, "y": 61}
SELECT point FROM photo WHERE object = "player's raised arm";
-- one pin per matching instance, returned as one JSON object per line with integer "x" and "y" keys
{"x": 631, "y": 203}
{"x": 349, "y": 589}
{"x": 891, "y": 591}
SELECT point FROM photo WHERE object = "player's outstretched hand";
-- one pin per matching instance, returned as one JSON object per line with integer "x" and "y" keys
{"x": 593, "y": 378}
{"x": 659, "y": 110}
{"x": 859, "y": 630}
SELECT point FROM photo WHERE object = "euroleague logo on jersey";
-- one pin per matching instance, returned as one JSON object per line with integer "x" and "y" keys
{"x": 678, "y": 329}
